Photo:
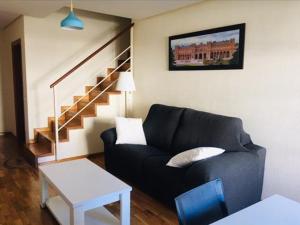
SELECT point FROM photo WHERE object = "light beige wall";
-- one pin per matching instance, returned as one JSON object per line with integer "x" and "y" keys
{"x": 2, "y": 128}
{"x": 265, "y": 94}
{"x": 51, "y": 51}
{"x": 11, "y": 33}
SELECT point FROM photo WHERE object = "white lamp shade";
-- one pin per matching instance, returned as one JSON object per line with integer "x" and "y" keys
{"x": 125, "y": 82}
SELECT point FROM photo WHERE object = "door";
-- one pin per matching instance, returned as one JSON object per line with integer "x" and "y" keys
{"x": 18, "y": 90}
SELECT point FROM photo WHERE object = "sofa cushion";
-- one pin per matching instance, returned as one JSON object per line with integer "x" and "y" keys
{"x": 162, "y": 181}
{"x": 202, "y": 129}
{"x": 130, "y": 131}
{"x": 129, "y": 159}
{"x": 188, "y": 157}
{"x": 160, "y": 125}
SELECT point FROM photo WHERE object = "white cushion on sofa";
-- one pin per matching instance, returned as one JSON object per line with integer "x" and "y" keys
{"x": 187, "y": 157}
{"x": 130, "y": 131}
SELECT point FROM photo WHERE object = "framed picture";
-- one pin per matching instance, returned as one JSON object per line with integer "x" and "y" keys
{"x": 214, "y": 49}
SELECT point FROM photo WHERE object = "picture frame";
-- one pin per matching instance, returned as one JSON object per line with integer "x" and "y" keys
{"x": 214, "y": 49}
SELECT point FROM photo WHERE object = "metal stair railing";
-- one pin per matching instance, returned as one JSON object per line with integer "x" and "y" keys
{"x": 58, "y": 127}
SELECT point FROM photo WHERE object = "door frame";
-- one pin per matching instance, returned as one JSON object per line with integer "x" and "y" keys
{"x": 18, "y": 83}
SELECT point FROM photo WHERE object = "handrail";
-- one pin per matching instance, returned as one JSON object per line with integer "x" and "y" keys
{"x": 90, "y": 56}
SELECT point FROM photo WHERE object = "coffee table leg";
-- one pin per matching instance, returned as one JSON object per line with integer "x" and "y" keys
{"x": 125, "y": 208}
{"x": 77, "y": 216}
{"x": 44, "y": 195}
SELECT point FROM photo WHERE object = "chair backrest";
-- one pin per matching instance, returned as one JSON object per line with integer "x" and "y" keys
{"x": 202, "y": 205}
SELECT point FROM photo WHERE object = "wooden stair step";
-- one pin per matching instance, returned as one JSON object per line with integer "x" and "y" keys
{"x": 76, "y": 98}
{"x": 114, "y": 92}
{"x": 64, "y": 108}
{"x": 113, "y": 75}
{"x": 47, "y": 134}
{"x": 111, "y": 88}
{"x": 107, "y": 78}
{"x": 88, "y": 88}
{"x": 81, "y": 105}
{"x": 51, "y": 136}
{"x": 104, "y": 85}
{"x": 110, "y": 70}
{"x": 99, "y": 79}
{"x": 106, "y": 82}
{"x": 124, "y": 67}
{"x": 40, "y": 149}
{"x": 63, "y": 135}
{"x": 94, "y": 93}
{"x": 120, "y": 61}
{"x": 41, "y": 139}
{"x": 61, "y": 121}
{"x": 102, "y": 99}
{"x": 88, "y": 112}
{"x": 76, "y": 123}
{"x": 51, "y": 121}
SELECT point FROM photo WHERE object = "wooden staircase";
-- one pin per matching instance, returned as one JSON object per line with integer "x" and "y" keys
{"x": 43, "y": 144}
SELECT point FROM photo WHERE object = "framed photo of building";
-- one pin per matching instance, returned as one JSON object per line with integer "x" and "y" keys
{"x": 214, "y": 49}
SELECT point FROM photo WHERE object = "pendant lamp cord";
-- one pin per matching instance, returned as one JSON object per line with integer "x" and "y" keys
{"x": 71, "y": 6}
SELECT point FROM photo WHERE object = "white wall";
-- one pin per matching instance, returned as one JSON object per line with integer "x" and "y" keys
{"x": 51, "y": 51}
{"x": 265, "y": 94}
{"x": 11, "y": 33}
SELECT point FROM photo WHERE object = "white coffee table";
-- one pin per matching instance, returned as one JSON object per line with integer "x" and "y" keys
{"x": 84, "y": 188}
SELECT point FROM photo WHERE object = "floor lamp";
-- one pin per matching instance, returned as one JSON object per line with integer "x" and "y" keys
{"x": 126, "y": 84}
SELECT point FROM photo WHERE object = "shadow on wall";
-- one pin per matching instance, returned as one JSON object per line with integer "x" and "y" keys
{"x": 94, "y": 140}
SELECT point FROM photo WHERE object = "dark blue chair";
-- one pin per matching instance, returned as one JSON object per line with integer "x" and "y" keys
{"x": 202, "y": 205}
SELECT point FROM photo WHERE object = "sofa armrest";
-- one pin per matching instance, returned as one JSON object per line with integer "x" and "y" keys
{"x": 261, "y": 154}
{"x": 241, "y": 173}
{"x": 255, "y": 148}
{"x": 109, "y": 136}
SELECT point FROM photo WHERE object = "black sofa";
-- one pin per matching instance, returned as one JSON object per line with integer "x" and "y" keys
{"x": 171, "y": 130}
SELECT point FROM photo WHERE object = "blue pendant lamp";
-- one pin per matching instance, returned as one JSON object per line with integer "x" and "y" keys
{"x": 71, "y": 22}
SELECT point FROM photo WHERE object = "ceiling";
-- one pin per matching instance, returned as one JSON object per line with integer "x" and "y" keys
{"x": 134, "y": 9}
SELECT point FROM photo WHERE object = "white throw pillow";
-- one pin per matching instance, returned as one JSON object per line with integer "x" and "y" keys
{"x": 187, "y": 157}
{"x": 130, "y": 131}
